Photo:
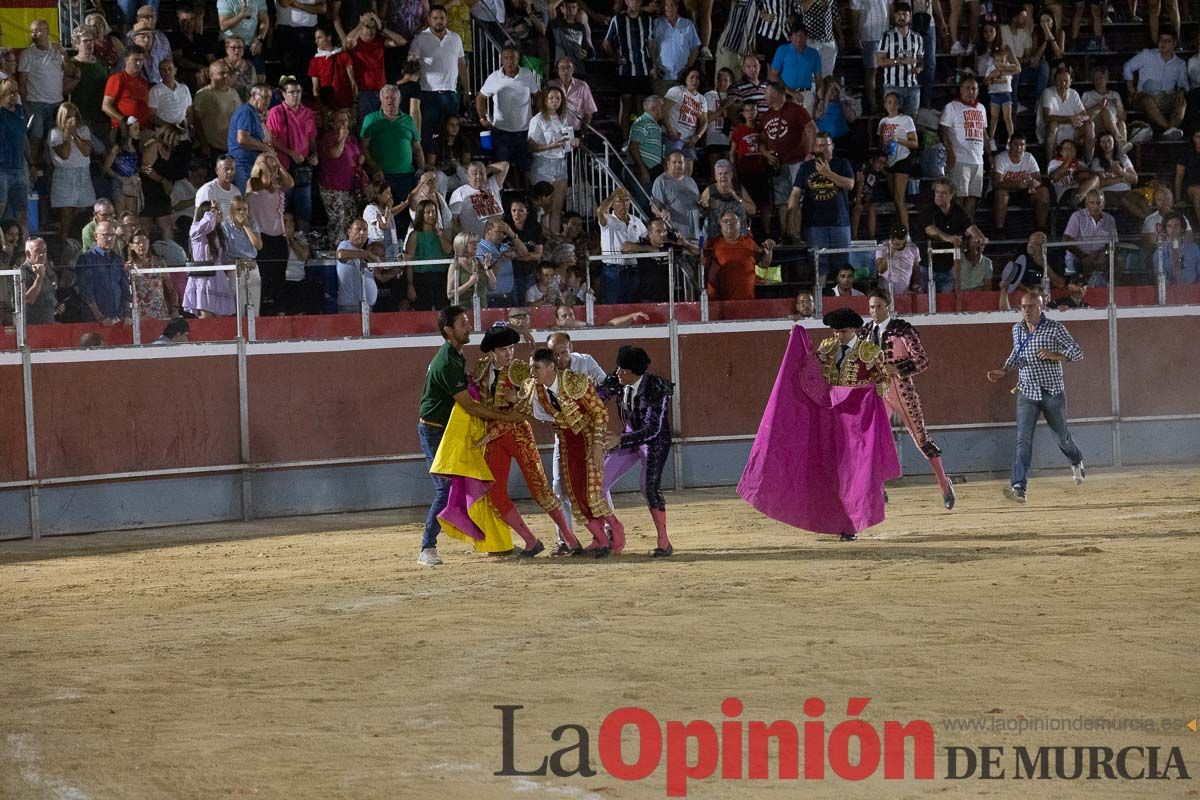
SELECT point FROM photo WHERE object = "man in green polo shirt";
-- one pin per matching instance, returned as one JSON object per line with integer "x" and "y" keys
{"x": 645, "y": 141}
{"x": 445, "y": 385}
{"x": 392, "y": 145}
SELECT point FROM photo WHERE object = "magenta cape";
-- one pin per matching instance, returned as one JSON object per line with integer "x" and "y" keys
{"x": 822, "y": 452}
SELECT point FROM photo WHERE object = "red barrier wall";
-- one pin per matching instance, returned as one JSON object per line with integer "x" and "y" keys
{"x": 13, "y": 462}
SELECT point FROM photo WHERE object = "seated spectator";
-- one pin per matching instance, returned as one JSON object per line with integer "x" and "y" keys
{"x": 731, "y": 259}
{"x": 450, "y": 153}
{"x": 870, "y": 188}
{"x": 1153, "y": 226}
{"x": 844, "y": 283}
{"x": 653, "y": 273}
{"x": 247, "y": 20}
{"x": 1074, "y": 298}
{"x": 1016, "y": 175}
{"x": 1027, "y": 271}
{"x": 511, "y": 89}
{"x": 976, "y": 272}
{"x": 574, "y": 289}
{"x": 467, "y": 276}
{"x": 533, "y": 236}
{"x": 685, "y": 117}
{"x": 123, "y": 163}
{"x": 526, "y": 28}
{"x": 1091, "y": 229}
{"x": 546, "y": 290}
{"x": 214, "y": 106}
{"x": 521, "y": 321}
{"x": 478, "y": 200}
{"x": 221, "y": 189}
{"x": 1162, "y": 83}
{"x": 618, "y": 226}
{"x": 550, "y": 139}
{"x": 100, "y": 272}
{"x": 428, "y": 239}
{"x": 190, "y": 47}
{"x": 564, "y": 317}
{"x": 1187, "y": 175}
{"x": 675, "y": 198}
{"x": 646, "y": 141}
{"x": 749, "y": 161}
{"x": 127, "y": 93}
{"x": 155, "y": 293}
{"x": 242, "y": 75}
{"x": 1062, "y": 116}
{"x": 898, "y": 261}
{"x": 1116, "y": 176}
{"x": 725, "y": 195}
{"x": 41, "y": 284}
{"x": 1177, "y": 258}
{"x": 341, "y": 158}
{"x": 898, "y": 139}
{"x": 353, "y": 258}
{"x": 580, "y": 103}
{"x": 1069, "y": 176}
{"x": 306, "y": 289}
{"x": 177, "y": 331}
{"x": 332, "y": 73}
{"x": 71, "y": 189}
{"x": 367, "y": 43}
{"x": 1105, "y": 107}
{"x": 496, "y": 250}
{"x": 806, "y": 307}
{"x": 393, "y": 282}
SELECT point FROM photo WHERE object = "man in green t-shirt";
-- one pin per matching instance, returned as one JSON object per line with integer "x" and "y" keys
{"x": 392, "y": 145}
{"x": 445, "y": 385}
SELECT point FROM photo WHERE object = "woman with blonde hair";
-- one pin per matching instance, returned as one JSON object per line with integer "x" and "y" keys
{"x": 472, "y": 276}
{"x": 550, "y": 139}
{"x": 266, "y": 193}
{"x": 109, "y": 47}
{"x": 242, "y": 245}
{"x": 71, "y": 152}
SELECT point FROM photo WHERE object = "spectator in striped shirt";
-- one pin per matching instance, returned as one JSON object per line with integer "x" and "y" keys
{"x": 737, "y": 38}
{"x": 628, "y": 41}
{"x": 901, "y": 54}
{"x": 750, "y": 89}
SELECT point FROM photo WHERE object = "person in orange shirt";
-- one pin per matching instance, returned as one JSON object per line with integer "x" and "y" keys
{"x": 730, "y": 260}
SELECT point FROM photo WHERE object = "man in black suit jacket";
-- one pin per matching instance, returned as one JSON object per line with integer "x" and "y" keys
{"x": 644, "y": 404}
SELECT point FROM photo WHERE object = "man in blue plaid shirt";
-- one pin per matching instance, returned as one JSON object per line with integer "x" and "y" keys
{"x": 1040, "y": 346}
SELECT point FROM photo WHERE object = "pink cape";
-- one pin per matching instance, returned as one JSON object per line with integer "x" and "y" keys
{"x": 822, "y": 452}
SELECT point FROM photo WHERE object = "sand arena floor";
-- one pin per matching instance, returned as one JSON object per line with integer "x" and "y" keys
{"x": 313, "y": 658}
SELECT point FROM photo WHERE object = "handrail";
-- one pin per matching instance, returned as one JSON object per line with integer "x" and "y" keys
{"x": 609, "y": 147}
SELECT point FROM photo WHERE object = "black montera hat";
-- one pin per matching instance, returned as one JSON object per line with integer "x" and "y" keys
{"x": 841, "y": 318}
{"x": 499, "y": 335}
{"x": 633, "y": 358}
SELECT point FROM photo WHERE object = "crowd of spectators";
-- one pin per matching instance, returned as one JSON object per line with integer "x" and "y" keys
{"x": 262, "y": 136}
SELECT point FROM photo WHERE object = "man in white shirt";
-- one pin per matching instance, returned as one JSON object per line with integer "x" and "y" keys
{"x": 1152, "y": 226}
{"x": 1062, "y": 116}
{"x": 478, "y": 200}
{"x": 220, "y": 190}
{"x": 963, "y": 130}
{"x": 1161, "y": 85}
{"x": 40, "y": 83}
{"x": 1016, "y": 171}
{"x": 512, "y": 87}
{"x": 618, "y": 225}
{"x": 443, "y": 64}
{"x": 171, "y": 101}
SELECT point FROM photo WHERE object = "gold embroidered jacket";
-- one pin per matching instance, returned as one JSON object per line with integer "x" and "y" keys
{"x": 862, "y": 366}
{"x": 582, "y": 412}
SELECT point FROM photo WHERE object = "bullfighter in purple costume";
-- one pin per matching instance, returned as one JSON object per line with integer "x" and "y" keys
{"x": 644, "y": 403}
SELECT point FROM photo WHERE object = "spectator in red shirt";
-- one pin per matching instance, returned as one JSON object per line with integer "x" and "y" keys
{"x": 749, "y": 162}
{"x": 788, "y": 133}
{"x": 730, "y": 260}
{"x": 127, "y": 94}
{"x": 366, "y": 43}
{"x": 332, "y": 73}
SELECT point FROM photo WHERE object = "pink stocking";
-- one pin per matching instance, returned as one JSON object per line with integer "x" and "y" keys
{"x": 660, "y": 524}
{"x": 564, "y": 528}
{"x": 517, "y": 523}
{"x": 599, "y": 537}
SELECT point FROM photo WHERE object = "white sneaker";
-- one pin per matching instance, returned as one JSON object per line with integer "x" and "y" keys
{"x": 1125, "y": 148}
{"x": 959, "y": 48}
{"x": 429, "y": 557}
{"x": 1142, "y": 135}
{"x": 1022, "y": 108}
{"x": 995, "y": 148}
{"x": 1078, "y": 473}
{"x": 1172, "y": 134}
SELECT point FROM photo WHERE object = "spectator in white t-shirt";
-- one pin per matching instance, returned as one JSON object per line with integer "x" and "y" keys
{"x": 171, "y": 101}
{"x": 1067, "y": 172}
{"x": 1062, "y": 115}
{"x": 550, "y": 139}
{"x": 71, "y": 189}
{"x": 40, "y": 80}
{"x": 898, "y": 140}
{"x": 963, "y": 130}
{"x": 1016, "y": 172}
{"x": 221, "y": 189}
{"x": 1117, "y": 176}
{"x": 1106, "y": 108}
{"x": 443, "y": 66}
{"x": 478, "y": 200}
{"x": 618, "y": 225}
{"x": 510, "y": 90}
{"x": 685, "y": 117}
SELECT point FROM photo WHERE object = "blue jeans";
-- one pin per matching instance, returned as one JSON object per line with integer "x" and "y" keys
{"x": 944, "y": 281}
{"x": 1054, "y": 408}
{"x": 14, "y": 193}
{"x": 431, "y": 437}
{"x": 1039, "y": 76}
{"x": 435, "y": 107}
{"x": 241, "y": 175}
{"x": 326, "y": 275}
{"x": 836, "y": 236}
{"x": 620, "y": 283}
{"x": 910, "y": 98}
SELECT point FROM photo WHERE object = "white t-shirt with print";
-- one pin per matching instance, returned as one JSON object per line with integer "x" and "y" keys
{"x": 473, "y": 208}
{"x": 897, "y": 127}
{"x": 687, "y": 110}
{"x": 968, "y": 130}
{"x": 1028, "y": 165}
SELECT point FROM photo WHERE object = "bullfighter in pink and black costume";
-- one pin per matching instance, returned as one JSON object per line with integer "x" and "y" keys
{"x": 903, "y": 357}
{"x": 644, "y": 403}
